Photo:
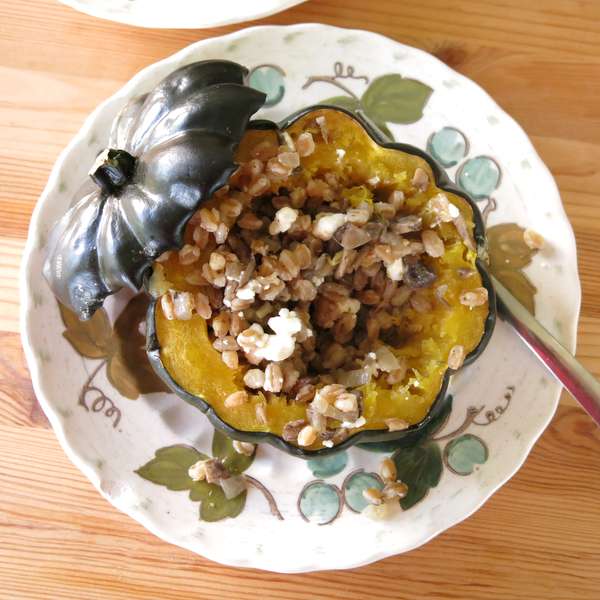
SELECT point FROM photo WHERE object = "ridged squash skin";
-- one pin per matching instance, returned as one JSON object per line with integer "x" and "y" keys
{"x": 168, "y": 151}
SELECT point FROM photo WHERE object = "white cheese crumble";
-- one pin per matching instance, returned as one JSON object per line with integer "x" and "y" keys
{"x": 158, "y": 283}
{"x": 278, "y": 346}
{"x": 326, "y": 225}
{"x": 284, "y": 219}
{"x": 248, "y": 291}
{"x": 386, "y": 359}
{"x": 354, "y": 424}
{"x": 395, "y": 270}
{"x": 287, "y": 322}
{"x": 197, "y": 472}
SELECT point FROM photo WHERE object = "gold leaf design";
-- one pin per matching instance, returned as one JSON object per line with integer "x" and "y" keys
{"x": 121, "y": 378}
{"x": 124, "y": 348}
{"x": 507, "y": 247}
{"x": 508, "y": 254}
{"x": 129, "y": 369}
{"x": 92, "y": 338}
{"x": 521, "y": 287}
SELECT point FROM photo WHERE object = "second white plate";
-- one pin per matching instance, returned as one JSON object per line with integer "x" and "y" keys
{"x": 180, "y": 14}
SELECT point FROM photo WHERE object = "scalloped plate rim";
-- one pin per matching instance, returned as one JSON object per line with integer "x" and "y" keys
{"x": 36, "y": 369}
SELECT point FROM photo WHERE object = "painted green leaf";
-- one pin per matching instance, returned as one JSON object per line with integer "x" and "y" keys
{"x": 464, "y": 452}
{"x": 214, "y": 505}
{"x": 222, "y": 447}
{"x": 92, "y": 338}
{"x": 507, "y": 248}
{"x": 420, "y": 468}
{"x": 508, "y": 254}
{"x": 347, "y": 102}
{"x": 170, "y": 465}
{"x": 129, "y": 369}
{"x": 354, "y": 105}
{"x": 520, "y": 285}
{"x": 393, "y": 99}
{"x": 385, "y": 130}
{"x": 413, "y": 439}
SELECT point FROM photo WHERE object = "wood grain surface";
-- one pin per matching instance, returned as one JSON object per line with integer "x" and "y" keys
{"x": 538, "y": 537}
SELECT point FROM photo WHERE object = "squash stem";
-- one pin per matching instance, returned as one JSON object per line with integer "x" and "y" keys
{"x": 113, "y": 169}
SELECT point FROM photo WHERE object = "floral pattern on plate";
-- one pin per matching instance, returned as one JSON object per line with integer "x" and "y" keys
{"x": 116, "y": 425}
{"x": 389, "y": 98}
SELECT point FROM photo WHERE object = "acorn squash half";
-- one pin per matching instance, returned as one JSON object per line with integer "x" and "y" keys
{"x": 182, "y": 353}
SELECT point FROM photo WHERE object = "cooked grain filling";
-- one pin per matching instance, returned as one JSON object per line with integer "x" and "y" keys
{"x": 311, "y": 278}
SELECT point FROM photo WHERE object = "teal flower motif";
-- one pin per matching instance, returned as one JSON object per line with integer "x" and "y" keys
{"x": 328, "y": 466}
{"x": 419, "y": 461}
{"x": 319, "y": 503}
{"x": 479, "y": 177}
{"x": 268, "y": 79}
{"x": 354, "y": 486}
{"x": 463, "y": 453}
{"x": 448, "y": 146}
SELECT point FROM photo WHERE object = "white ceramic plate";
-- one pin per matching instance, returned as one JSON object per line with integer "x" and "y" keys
{"x": 83, "y": 376}
{"x": 180, "y": 14}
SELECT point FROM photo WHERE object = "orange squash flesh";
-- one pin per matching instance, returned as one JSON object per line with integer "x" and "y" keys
{"x": 186, "y": 350}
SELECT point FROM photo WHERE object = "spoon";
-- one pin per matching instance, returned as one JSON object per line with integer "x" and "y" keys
{"x": 580, "y": 383}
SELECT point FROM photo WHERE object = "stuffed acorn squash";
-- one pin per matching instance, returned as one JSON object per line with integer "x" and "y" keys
{"x": 325, "y": 291}
{"x": 313, "y": 285}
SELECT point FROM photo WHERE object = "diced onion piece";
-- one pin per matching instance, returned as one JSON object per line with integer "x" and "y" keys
{"x": 386, "y": 359}
{"x": 355, "y": 378}
{"x": 350, "y": 237}
{"x": 233, "y": 486}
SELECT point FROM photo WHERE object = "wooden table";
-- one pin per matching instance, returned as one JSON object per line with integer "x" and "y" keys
{"x": 538, "y": 537}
